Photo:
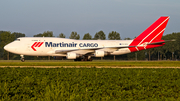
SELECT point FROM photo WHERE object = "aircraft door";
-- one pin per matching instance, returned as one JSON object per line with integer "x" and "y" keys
{"x": 28, "y": 47}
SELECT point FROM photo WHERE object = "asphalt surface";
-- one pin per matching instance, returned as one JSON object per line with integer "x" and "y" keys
{"x": 79, "y": 67}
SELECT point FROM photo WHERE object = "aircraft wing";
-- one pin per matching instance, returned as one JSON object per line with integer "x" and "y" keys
{"x": 87, "y": 50}
{"x": 107, "y": 49}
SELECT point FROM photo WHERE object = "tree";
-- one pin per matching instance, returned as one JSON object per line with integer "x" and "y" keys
{"x": 114, "y": 36}
{"x": 87, "y": 36}
{"x": 74, "y": 35}
{"x": 61, "y": 35}
{"x": 127, "y": 38}
{"x": 45, "y": 34}
{"x": 172, "y": 47}
{"x": 100, "y": 35}
{"x": 38, "y": 35}
{"x": 17, "y": 35}
{"x": 5, "y": 38}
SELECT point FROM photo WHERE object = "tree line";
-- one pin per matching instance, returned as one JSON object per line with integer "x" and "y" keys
{"x": 170, "y": 51}
{"x": 99, "y": 35}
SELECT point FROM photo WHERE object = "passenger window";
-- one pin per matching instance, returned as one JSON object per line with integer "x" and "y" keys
{"x": 17, "y": 39}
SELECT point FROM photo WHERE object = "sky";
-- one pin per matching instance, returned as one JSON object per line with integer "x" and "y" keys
{"x": 127, "y": 17}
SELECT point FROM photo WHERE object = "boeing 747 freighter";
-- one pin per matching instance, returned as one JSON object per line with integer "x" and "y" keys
{"x": 83, "y": 50}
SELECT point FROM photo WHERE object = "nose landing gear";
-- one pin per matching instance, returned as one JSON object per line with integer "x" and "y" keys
{"x": 22, "y": 58}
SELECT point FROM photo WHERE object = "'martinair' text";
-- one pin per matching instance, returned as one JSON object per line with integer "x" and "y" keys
{"x": 72, "y": 44}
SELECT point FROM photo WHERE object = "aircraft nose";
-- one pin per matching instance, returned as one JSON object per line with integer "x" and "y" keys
{"x": 6, "y": 48}
{"x": 9, "y": 48}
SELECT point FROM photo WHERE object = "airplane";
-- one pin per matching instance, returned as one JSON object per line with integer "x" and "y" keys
{"x": 83, "y": 50}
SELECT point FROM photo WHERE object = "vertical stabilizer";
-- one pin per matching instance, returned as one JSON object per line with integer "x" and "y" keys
{"x": 152, "y": 34}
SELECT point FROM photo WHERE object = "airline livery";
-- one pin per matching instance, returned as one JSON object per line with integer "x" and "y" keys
{"x": 83, "y": 50}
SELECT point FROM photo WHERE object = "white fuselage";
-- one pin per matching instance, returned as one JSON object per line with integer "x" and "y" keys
{"x": 27, "y": 46}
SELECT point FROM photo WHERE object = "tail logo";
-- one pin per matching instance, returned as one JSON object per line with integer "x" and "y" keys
{"x": 152, "y": 34}
{"x": 36, "y": 44}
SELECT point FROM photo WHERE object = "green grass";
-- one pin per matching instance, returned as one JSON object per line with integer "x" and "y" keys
{"x": 89, "y": 84}
{"x": 93, "y": 63}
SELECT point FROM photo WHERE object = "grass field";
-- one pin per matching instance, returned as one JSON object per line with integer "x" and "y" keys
{"x": 93, "y": 63}
{"x": 82, "y": 84}
{"x": 89, "y": 84}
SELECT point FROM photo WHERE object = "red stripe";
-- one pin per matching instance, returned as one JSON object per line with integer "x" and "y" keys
{"x": 37, "y": 44}
{"x": 33, "y": 46}
{"x": 40, "y": 44}
{"x": 34, "y": 43}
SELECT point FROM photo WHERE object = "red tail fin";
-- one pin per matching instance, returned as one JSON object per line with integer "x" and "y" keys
{"x": 151, "y": 34}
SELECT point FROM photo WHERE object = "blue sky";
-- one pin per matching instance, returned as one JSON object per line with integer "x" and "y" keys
{"x": 128, "y": 17}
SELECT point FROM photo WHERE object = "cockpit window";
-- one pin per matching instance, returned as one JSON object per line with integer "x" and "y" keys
{"x": 17, "y": 39}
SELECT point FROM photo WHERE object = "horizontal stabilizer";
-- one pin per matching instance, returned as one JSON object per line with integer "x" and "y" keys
{"x": 160, "y": 42}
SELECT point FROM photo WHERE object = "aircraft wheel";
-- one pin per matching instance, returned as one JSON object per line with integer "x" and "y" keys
{"x": 22, "y": 59}
{"x": 78, "y": 59}
{"x": 90, "y": 59}
{"x": 82, "y": 59}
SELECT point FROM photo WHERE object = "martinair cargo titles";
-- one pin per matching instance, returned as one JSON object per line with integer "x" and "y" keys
{"x": 83, "y": 50}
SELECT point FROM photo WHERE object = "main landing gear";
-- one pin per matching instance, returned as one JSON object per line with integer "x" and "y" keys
{"x": 85, "y": 58}
{"x": 22, "y": 58}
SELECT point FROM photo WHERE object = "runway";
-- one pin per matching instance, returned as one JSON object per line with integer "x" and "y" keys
{"x": 79, "y": 67}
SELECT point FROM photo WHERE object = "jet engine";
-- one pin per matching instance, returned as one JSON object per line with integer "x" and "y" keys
{"x": 99, "y": 53}
{"x": 71, "y": 55}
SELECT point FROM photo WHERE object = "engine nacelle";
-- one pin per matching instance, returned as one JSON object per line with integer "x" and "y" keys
{"x": 99, "y": 53}
{"x": 71, "y": 55}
